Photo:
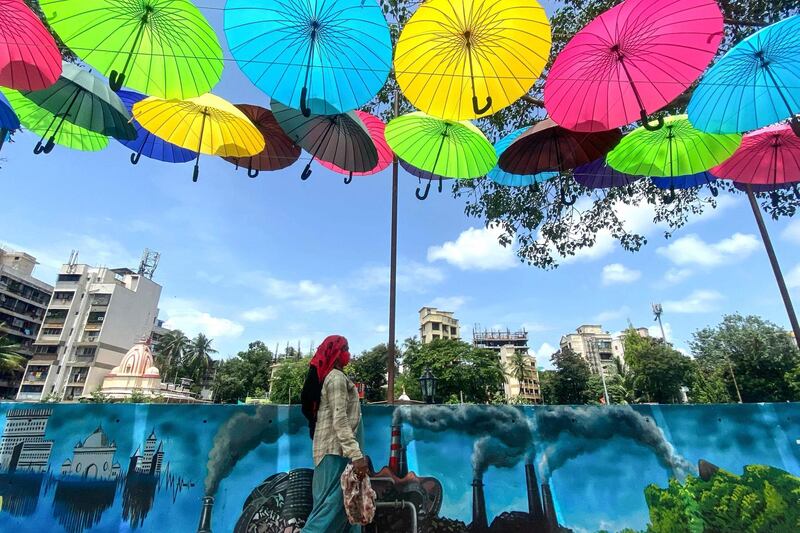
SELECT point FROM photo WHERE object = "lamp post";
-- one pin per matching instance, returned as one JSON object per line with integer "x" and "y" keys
{"x": 427, "y": 383}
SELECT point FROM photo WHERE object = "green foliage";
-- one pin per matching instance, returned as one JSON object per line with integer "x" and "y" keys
{"x": 622, "y": 385}
{"x": 762, "y": 499}
{"x": 369, "y": 368}
{"x": 10, "y": 359}
{"x": 176, "y": 356}
{"x": 138, "y": 397}
{"x": 99, "y": 397}
{"x": 459, "y": 367}
{"x": 570, "y": 382}
{"x": 762, "y": 355}
{"x": 659, "y": 370}
{"x": 170, "y": 352}
{"x": 245, "y": 374}
{"x": 547, "y": 384}
{"x": 287, "y": 380}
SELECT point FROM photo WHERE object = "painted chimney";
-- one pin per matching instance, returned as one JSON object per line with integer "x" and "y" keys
{"x": 538, "y": 523}
{"x": 394, "y": 451}
{"x": 205, "y": 517}
{"x": 479, "y": 521}
{"x": 403, "y": 463}
{"x": 706, "y": 469}
{"x": 551, "y": 520}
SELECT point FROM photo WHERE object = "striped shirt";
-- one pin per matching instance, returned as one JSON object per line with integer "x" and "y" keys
{"x": 337, "y": 419}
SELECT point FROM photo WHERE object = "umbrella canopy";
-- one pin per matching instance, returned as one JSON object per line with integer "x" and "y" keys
{"x": 376, "y": 128}
{"x": 599, "y": 175}
{"x": 207, "y": 124}
{"x": 498, "y": 175}
{"x": 29, "y": 57}
{"x": 443, "y": 147}
{"x": 148, "y": 145}
{"x": 164, "y": 48}
{"x": 9, "y": 120}
{"x": 687, "y": 182}
{"x": 755, "y": 84}
{"x": 769, "y": 156}
{"x": 308, "y": 53}
{"x": 341, "y": 139}
{"x": 279, "y": 150}
{"x": 39, "y": 121}
{"x": 631, "y": 61}
{"x": 461, "y": 59}
{"x": 423, "y": 175}
{"x": 85, "y": 100}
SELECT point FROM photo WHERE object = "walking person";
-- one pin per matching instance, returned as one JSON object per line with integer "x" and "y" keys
{"x": 331, "y": 404}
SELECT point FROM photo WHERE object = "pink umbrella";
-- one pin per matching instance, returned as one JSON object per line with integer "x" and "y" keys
{"x": 375, "y": 127}
{"x": 29, "y": 57}
{"x": 631, "y": 61}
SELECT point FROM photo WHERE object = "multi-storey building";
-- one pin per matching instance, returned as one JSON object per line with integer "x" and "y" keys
{"x": 23, "y": 301}
{"x": 23, "y": 446}
{"x": 598, "y": 347}
{"x": 435, "y": 324}
{"x": 93, "y": 458}
{"x": 94, "y": 317}
{"x": 512, "y": 348}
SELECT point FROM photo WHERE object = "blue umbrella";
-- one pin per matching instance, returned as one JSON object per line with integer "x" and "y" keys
{"x": 9, "y": 121}
{"x": 599, "y": 175}
{"x": 498, "y": 175}
{"x": 687, "y": 182}
{"x": 311, "y": 54}
{"x": 148, "y": 145}
{"x": 755, "y": 84}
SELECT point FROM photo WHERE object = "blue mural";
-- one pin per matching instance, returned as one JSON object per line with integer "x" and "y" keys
{"x": 246, "y": 469}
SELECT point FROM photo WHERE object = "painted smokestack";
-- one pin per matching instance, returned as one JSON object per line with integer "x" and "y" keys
{"x": 403, "y": 463}
{"x": 205, "y": 517}
{"x": 538, "y": 523}
{"x": 551, "y": 520}
{"x": 479, "y": 521}
{"x": 394, "y": 451}
{"x": 706, "y": 469}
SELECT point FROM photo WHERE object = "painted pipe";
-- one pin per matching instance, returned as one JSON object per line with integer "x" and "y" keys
{"x": 401, "y": 504}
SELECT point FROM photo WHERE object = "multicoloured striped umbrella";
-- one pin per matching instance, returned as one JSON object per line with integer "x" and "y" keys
{"x": 376, "y": 129}
{"x": 508, "y": 179}
{"x": 279, "y": 150}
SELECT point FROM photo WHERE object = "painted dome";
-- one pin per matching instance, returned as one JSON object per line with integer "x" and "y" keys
{"x": 137, "y": 362}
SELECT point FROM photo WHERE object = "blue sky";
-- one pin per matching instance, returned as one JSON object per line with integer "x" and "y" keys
{"x": 282, "y": 260}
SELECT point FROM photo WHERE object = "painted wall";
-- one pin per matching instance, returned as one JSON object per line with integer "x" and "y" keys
{"x": 606, "y": 468}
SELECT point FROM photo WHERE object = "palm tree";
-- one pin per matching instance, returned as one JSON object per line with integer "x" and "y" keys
{"x": 519, "y": 366}
{"x": 171, "y": 349}
{"x": 622, "y": 387}
{"x": 198, "y": 357}
{"x": 10, "y": 358}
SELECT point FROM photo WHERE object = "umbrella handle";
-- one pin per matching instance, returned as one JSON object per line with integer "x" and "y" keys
{"x": 115, "y": 80}
{"x": 481, "y": 110}
{"x": 252, "y": 172}
{"x": 303, "y": 107}
{"x": 38, "y": 149}
{"x": 306, "y": 172}
{"x": 196, "y": 173}
{"x": 422, "y": 196}
{"x": 348, "y": 179}
{"x": 136, "y": 157}
{"x": 567, "y": 201}
{"x": 645, "y": 122}
{"x": 440, "y": 185}
{"x": 669, "y": 198}
{"x": 51, "y": 143}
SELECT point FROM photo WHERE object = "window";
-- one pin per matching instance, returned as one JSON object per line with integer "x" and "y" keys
{"x": 63, "y": 295}
{"x": 31, "y": 388}
{"x": 56, "y": 315}
{"x": 96, "y": 317}
{"x": 101, "y": 299}
{"x": 69, "y": 277}
{"x": 434, "y": 336}
{"x": 51, "y": 331}
{"x": 435, "y": 326}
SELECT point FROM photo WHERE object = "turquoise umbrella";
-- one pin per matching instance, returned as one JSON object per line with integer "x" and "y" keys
{"x": 498, "y": 175}
{"x": 757, "y": 83}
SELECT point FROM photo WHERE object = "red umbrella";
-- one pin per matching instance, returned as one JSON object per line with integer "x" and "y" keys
{"x": 631, "y": 61}
{"x": 375, "y": 127}
{"x": 279, "y": 150}
{"x": 29, "y": 57}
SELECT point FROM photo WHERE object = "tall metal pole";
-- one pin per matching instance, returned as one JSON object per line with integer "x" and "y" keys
{"x": 773, "y": 260}
{"x": 735, "y": 384}
{"x": 390, "y": 352}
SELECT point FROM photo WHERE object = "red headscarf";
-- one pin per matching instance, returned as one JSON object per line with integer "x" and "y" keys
{"x": 332, "y": 350}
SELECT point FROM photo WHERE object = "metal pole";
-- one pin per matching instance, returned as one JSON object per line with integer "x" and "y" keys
{"x": 736, "y": 385}
{"x": 776, "y": 268}
{"x": 663, "y": 335}
{"x": 390, "y": 351}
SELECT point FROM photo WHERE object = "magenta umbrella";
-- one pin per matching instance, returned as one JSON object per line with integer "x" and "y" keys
{"x": 375, "y": 128}
{"x": 631, "y": 61}
{"x": 29, "y": 57}
{"x": 769, "y": 156}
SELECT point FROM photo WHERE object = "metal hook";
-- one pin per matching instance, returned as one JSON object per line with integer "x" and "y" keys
{"x": 306, "y": 172}
{"x": 51, "y": 143}
{"x": 348, "y": 179}
{"x": 252, "y": 172}
{"x": 645, "y": 122}
{"x": 422, "y": 196}
{"x": 115, "y": 80}
{"x": 38, "y": 149}
{"x": 481, "y": 110}
{"x": 136, "y": 157}
{"x": 303, "y": 107}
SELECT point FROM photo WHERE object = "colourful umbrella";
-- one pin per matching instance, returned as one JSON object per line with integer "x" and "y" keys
{"x": 85, "y": 100}
{"x": 599, "y": 175}
{"x": 39, "y": 121}
{"x": 375, "y": 127}
{"x": 687, "y": 182}
{"x": 423, "y": 175}
{"x": 442, "y": 147}
{"x": 311, "y": 53}
{"x": 546, "y": 146}
{"x": 673, "y": 151}
{"x": 148, "y": 144}
{"x": 9, "y": 121}
{"x": 498, "y": 175}
{"x": 461, "y": 59}
{"x": 207, "y": 124}
{"x": 164, "y": 48}
{"x": 755, "y": 84}
{"x": 279, "y": 150}
{"x": 631, "y": 61}
{"x": 341, "y": 139}
{"x": 29, "y": 57}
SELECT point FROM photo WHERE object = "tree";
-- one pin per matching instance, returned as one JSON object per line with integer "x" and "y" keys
{"x": 245, "y": 374}
{"x": 759, "y": 352}
{"x": 10, "y": 358}
{"x": 570, "y": 380}
{"x": 659, "y": 370}
{"x": 518, "y": 366}
{"x": 170, "y": 351}
{"x": 622, "y": 385}
{"x": 459, "y": 367}
{"x": 288, "y": 379}
{"x": 198, "y": 362}
{"x": 369, "y": 368}
{"x": 547, "y": 384}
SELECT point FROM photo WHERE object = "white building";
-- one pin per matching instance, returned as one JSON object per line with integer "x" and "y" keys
{"x": 23, "y": 446}
{"x": 94, "y": 317}
{"x": 598, "y": 347}
{"x": 435, "y": 324}
{"x": 93, "y": 458}
{"x": 528, "y": 388}
{"x": 151, "y": 461}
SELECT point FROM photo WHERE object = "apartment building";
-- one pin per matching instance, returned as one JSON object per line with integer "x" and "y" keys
{"x": 509, "y": 345}
{"x": 94, "y": 317}
{"x": 598, "y": 347}
{"x": 23, "y": 302}
{"x": 435, "y": 324}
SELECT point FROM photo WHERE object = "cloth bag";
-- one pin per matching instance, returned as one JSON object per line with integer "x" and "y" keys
{"x": 359, "y": 498}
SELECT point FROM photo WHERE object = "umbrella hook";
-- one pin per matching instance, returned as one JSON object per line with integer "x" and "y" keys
{"x": 642, "y": 113}
{"x": 306, "y": 172}
{"x": 440, "y": 185}
{"x": 116, "y": 79}
{"x": 138, "y": 155}
{"x": 251, "y": 172}
{"x": 475, "y": 108}
{"x": 650, "y": 127}
{"x": 564, "y": 199}
{"x": 348, "y": 179}
{"x": 422, "y": 196}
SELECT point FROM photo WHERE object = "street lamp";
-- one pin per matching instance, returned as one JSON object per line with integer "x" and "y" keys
{"x": 427, "y": 383}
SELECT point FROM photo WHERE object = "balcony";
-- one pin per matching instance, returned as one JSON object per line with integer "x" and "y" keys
{"x": 61, "y": 302}
{"x": 93, "y": 326}
{"x": 35, "y": 377}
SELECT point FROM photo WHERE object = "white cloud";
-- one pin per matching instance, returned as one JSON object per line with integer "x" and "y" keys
{"x": 655, "y": 331}
{"x": 699, "y": 301}
{"x": 543, "y": 355}
{"x": 673, "y": 276}
{"x": 792, "y": 231}
{"x": 448, "y": 303}
{"x": 476, "y": 249}
{"x": 412, "y": 276}
{"x": 187, "y": 316}
{"x": 303, "y": 295}
{"x": 260, "y": 314}
{"x": 531, "y": 327}
{"x": 792, "y": 278}
{"x": 692, "y": 250}
{"x": 619, "y": 273}
{"x": 612, "y": 314}
{"x": 380, "y": 328}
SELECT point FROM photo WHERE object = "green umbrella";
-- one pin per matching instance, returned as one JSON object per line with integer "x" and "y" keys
{"x": 38, "y": 120}
{"x": 81, "y": 98}
{"x": 163, "y": 48}
{"x": 443, "y": 147}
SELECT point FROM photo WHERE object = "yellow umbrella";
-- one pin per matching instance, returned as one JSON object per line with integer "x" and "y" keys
{"x": 462, "y": 59}
{"x": 206, "y": 124}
